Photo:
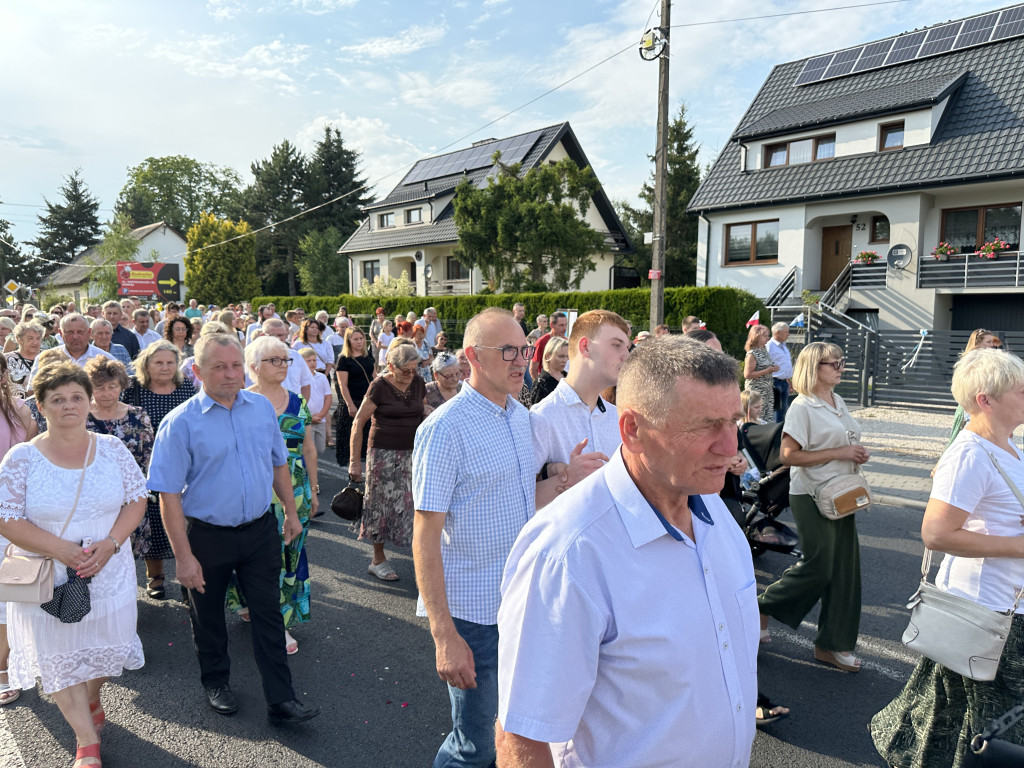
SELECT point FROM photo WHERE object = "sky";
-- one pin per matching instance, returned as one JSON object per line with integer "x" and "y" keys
{"x": 103, "y": 85}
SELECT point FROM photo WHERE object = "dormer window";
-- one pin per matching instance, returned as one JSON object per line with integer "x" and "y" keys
{"x": 890, "y": 137}
{"x": 414, "y": 216}
{"x": 386, "y": 220}
{"x": 800, "y": 151}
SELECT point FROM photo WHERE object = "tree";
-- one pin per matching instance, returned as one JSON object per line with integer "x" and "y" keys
{"x": 528, "y": 232}
{"x": 387, "y": 287}
{"x": 117, "y": 245}
{"x": 224, "y": 273}
{"x": 682, "y": 178}
{"x": 71, "y": 226}
{"x": 322, "y": 270}
{"x": 333, "y": 171}
{"x": 277, "y": 194}
{"x": 175, "y": 190}
{"x": 15, "y": 264}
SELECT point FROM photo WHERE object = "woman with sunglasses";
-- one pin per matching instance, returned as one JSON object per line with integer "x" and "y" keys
{"x": 446, "y": 383}
{"x": 820, "y": 440}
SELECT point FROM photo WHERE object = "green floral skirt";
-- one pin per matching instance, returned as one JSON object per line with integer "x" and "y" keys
{"x": 932, "y": 721}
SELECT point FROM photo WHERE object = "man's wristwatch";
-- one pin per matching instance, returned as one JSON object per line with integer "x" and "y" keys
{"x": 117, "y": 547}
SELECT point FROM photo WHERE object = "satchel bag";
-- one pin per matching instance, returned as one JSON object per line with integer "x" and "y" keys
{"x": 348, "y": 503}
{"x": 844, "y": 494}
{"x": 26, "y": 577}
{"x": 71, "y": 602}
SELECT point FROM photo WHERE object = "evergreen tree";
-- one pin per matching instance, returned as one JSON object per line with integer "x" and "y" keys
{"x": 333, "y": 172}
{"x": 71, "y": 226}
{"x": 322, "y": 270}
{"x": 225, "y": 273}
{"x": 15, "y": 264}
{"x": 682, "y": 179}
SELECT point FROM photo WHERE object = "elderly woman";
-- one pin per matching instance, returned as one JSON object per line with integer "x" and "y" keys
{"x": 464, "y": 367}
{"x": 158, "y": 388}
{"x": 354, "y": 373}
{"x": 975, "y": 518}
{"x": 266, "y": 361}
{"x": 556, "y": 357}
{"x": 446, "y": 383}
{"x": 91, "y": 483}
{"x": 820, "y": 440}
{"x": 178, "y": 331}
{"x": 394, "y": 406}
{"x": 7, "y": 342}
{"x": 29, "y": 336}
{"x": 758, "y": 369}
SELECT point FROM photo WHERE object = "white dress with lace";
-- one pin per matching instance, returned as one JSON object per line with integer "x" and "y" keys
{"x": 105, "y": 642}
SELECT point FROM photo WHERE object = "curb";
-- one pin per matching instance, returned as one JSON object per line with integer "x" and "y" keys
{"x": 899, "y": 501}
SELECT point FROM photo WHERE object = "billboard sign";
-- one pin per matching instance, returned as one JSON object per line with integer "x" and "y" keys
{"x": 155, "y": 281}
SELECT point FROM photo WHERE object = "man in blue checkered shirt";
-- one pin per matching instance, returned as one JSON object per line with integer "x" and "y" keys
{"x": 474, "y": 489}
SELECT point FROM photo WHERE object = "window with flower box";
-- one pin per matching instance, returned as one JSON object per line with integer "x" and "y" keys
{"x": 753, "y": 243}
{"x": 800, "y": 151}
{"x": 967, "y": 229}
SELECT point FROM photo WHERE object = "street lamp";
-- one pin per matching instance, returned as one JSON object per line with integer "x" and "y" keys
{"x": 427, "y": 272}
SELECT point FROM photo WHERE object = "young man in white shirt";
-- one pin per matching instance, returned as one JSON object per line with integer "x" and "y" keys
{"x": 146, "y": 336}
{"x": 574, "y": 418}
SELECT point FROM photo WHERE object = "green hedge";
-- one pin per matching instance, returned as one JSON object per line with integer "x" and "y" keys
{"x": 725, "y": 310}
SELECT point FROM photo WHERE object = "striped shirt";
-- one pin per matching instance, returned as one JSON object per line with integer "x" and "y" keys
{"x": 473, "y": 461}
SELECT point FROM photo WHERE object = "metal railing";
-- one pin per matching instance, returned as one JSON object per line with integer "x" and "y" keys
{"x": 782, "y": 291}
{"x": 868, "y": 275}
{"x": 971, "y": 271}
{"x": 839, "y": 288}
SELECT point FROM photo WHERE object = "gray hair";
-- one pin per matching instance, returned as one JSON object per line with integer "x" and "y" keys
{"x": 140, "y": 312}
{"x": 264, "y": 346}
{"x": 992, "y": 372}
{"x": 647, "y": 380}
{"x": 273, "y": 322}
{"x": 72, "y": 317}
{"x": 213, "y": 327}
{"x": 208, "y": 342}
{"x": 779, "y": 326}
{"x": 519, "y": 305}
{"x": 401, "y": 353}
{"x": 99, "y": 322}
{"x": 26, "y": 326}
{"x": 444, "y": 360}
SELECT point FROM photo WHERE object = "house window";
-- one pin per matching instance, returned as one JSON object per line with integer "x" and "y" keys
{"x": 891, "y": 137}
{"x": 414, "y": 216}
{"x": 879, "y": 229}
{"x": 387, "y": 220}
{"x": 967, "y": 229}
{"x": 800, "y": 151}
{"x": 456, "y": 271}
{"x": 371, "y": 270}
{"x": 754, "y": 243}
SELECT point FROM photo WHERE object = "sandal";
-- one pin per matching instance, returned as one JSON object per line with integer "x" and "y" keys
{"x": 291, "y": 645}
{"x": 767, "y": 712}
{"x": 244, "y": 615}
{"x": 89, "y": 752}
{"x": 8, "y": 694}
{"x": 156, "y": 592}
{"x": 99, "y": 717}
{"x": 844, "y": 661}
{"x": 383, "y": 571}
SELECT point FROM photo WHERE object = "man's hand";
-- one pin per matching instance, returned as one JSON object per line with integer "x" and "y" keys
{"x": 292, "y": 528}
{"x": 582, "y": 464}
{"x": 739, "y": 464}
{"x": 190, "y": 573}
{"x": 455, "y": 661}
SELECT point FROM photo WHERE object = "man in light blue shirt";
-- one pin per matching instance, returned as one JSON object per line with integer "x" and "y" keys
{"x": 779, "y": 353}
{"x": 473, "y": 490}
{"x": 214, "y": 462}
{"x": 629, "y": 623}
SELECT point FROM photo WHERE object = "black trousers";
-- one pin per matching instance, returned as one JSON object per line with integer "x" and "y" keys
{"x": 343, "y": 434}
{"x": 253, "y": 552}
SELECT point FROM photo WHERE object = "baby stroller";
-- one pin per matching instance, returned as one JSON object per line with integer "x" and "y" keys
{"x": 767, "y": 497}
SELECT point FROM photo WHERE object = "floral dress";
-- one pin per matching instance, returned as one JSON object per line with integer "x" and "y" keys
{"x": 294, "y": 581}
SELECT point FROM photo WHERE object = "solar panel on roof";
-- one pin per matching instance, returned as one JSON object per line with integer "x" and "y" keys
{"x": 512, "y": 149}
{"x": 976, "y": 30}
{"x": 940, "y": 39}
{"x": 873, "y": 56}
{"x": 905, "y": 48}
{"x": 1011, "y": 23}
{"x": 814, "y": 69}
{"x": 843, "y": 63}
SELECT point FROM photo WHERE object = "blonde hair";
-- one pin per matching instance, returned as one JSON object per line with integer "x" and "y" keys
{"x": 805, "y": 370}
{"x": 554, "y": 345}
{"x": 346, "y": 348}
{"x": 142, "y": 362}
{"x": 990, "y": 372}
{"x": 748, "y": 399}
{"x": 753, "y": 333}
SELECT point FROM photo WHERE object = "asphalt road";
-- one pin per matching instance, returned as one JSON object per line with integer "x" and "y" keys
{"x": 368, "y": 662}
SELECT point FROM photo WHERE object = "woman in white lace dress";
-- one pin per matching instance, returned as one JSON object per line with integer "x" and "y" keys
{"x": 38, "y": 481}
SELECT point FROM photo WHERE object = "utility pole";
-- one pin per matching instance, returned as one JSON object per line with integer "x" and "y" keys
{"x": 656, "y": 42}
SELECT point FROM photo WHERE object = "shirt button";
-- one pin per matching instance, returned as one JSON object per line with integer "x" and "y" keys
{"x": 707, "y": 570}
{"x": 721, "y": 627}
{"x": 739, "y": 707}
{"x": 725, "y": 646}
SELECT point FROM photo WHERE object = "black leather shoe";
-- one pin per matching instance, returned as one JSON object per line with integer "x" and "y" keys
{"x": 222, "y": 700}
{"x": 293, "y": 711}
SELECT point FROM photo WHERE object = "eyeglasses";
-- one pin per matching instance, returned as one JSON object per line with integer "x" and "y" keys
{"x": 278, "y": 361}
{"x": 510, "y": 353}
{"x": 837, "y": 364}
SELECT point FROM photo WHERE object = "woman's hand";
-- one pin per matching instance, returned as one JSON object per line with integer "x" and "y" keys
{"x": 858, "y": 454}
{"x": 355, "y": 470}
{"x": 351, "y": 410}
{"x": 97, "y": 555}
{"x": 72, "y": 555}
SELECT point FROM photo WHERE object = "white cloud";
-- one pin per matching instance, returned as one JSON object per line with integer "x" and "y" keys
{"x": 493, "y": 3}
{"x": 407, "y": 41}
{"x": 211, "y": 56}
{"x": 224, "y": 10}
{"x": 320, "y": 7}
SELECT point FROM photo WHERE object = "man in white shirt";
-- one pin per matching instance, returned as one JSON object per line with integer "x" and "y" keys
{"x": 299, "y": 379}
{"x": 431, "y": 326}
{"x": 575, "y": 412}
{"x": 143, "y": 333}
{"x": 628, "y": 627}
{"x": 171, "y": 311}
{"x": 779, "y": 353}
{"x": 74, "y": 329}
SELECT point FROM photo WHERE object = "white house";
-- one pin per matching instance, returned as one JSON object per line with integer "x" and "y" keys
{"x": 893, "y": 146}
{"x": 413, "y": 228}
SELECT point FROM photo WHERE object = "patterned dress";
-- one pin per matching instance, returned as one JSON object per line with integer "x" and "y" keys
{"x": 18, "y": 369}
{"x": 295, "y": 581}
{"x": 156, "y": 546}
{"x": 763, "y": 384}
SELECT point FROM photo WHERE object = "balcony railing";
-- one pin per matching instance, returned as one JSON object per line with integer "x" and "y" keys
{"x": 868, "y": 275}
{"x": 970, "y": 271}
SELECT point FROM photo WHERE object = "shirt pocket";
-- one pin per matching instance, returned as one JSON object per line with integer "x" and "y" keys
{"x": 750, "y": 621}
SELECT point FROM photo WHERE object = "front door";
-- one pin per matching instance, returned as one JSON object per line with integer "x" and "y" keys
{"x": 836, "y": 244}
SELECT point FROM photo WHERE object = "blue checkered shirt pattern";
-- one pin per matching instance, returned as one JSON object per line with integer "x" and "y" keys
{"x": 473, "y": 461}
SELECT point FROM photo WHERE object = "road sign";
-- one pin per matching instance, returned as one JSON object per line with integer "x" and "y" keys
{"x": 156, "y": 281}
{"x": 11, "y": 286}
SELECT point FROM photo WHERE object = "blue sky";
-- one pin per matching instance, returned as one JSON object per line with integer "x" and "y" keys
{"x": 103, "y": 85}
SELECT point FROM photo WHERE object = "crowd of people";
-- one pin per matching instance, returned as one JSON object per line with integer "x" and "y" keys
{"x": 550, "y": 482}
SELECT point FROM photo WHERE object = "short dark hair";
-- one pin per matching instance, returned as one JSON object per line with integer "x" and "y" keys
{"x": 56, "y": 375}
{"x": 102, "y": 369}
{"x": 557, "y": 316}
{"x": 703, "y": 335}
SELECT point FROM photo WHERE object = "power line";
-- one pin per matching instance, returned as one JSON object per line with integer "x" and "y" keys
{"x": 790, "y": 13}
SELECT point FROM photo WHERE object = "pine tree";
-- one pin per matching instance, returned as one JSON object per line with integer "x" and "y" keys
{"x": 69, "y": 227}
{"x": 225, "y": 273}
{"x": 682, "y": 178}
{"x": 322, "y": 270}
{"x": 15, "y": 264}
{"x": 333, "y": 172}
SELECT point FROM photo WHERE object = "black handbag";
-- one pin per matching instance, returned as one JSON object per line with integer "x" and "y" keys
{"x": 348, "y": 503}
{"x": 987, "y": 751}
{"x": 70, "y": 601}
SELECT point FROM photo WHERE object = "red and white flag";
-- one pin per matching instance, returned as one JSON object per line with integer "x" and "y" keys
{"x": 755, "y": 319}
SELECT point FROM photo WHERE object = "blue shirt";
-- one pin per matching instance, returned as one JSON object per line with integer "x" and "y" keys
{"x": 122, "y": 356}
{"x": 222, "y": 459}
{"x": 473, "y": 461}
